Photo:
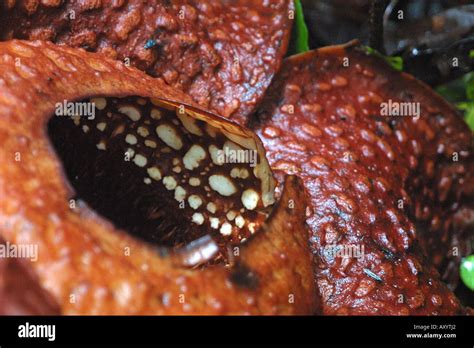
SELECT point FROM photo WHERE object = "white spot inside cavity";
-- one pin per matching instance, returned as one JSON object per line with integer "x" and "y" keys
{"x": 250, "y": 199}
{"x": 226, "y": 229}
{"x": 230, "y": 145}
{"x": 99, "y": 103}
{"x": 211, "y": 207}
{"x": 85, "y": 128}
{"x": 241, "y": 173}
{"x": 150, "y": 143}
{"x": 179, "y": 194}
{"x": 76, "y": 119}
{"x": 194, "y": 182}
{"x": 131, "y": 139}
{"x": 231, "y": 215}
{"x": 131, "y": 111}
{"x": 154, "y": 173}
{"x": 140, "y": 160}
{"x": 214, "y": 152}
{"x": 169, "y": 136}
{"x": 147, "y": 181}
{"x": 198, "y": 218}
{"x": 130, "y": 152}
{"x": 239, "y": 221}
{"x": 101, "y": 126}
{"x": 177, "y": 169}
{"x": 169, "y": 182}
{"x": 142, "y": 131}
{"x": 194, "y": 155}
{"x": 189, "y": 124}
{"x": 252, "y": 227}
{"x": 222, "y": 184}
{"x": 155, "y": 114}
{"x": 101, "y": 146}
{"x": 214, "y": 222}
{"x": 194, "y": 201}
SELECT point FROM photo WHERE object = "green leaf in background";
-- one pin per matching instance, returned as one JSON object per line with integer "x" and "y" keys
{"x": 301, "y": 30}
{"x": 299, "y": 37}
{"x": 469, "y": 81}
{"x": 467, "y": 271}
{"x": 471, "y": 54}
{"x": 470, "y": 117}
{"x": 461, "y": 93}
{"x": 395, "y": 62}
{"x": 468, "y": 108}
{"x": 454, "y": 91}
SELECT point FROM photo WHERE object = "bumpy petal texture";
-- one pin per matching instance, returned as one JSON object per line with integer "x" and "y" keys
{"x": 390, "y": 195}
{"x": 85, "y": 262}
{"x": 20, "y": 291}
{"x": 222, "y": 53}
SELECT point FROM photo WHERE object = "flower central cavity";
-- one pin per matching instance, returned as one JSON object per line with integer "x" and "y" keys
{"x": 157, "y": 172}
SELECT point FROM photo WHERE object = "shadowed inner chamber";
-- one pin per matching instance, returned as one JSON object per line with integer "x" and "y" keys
{"x": 155, "y": 172}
